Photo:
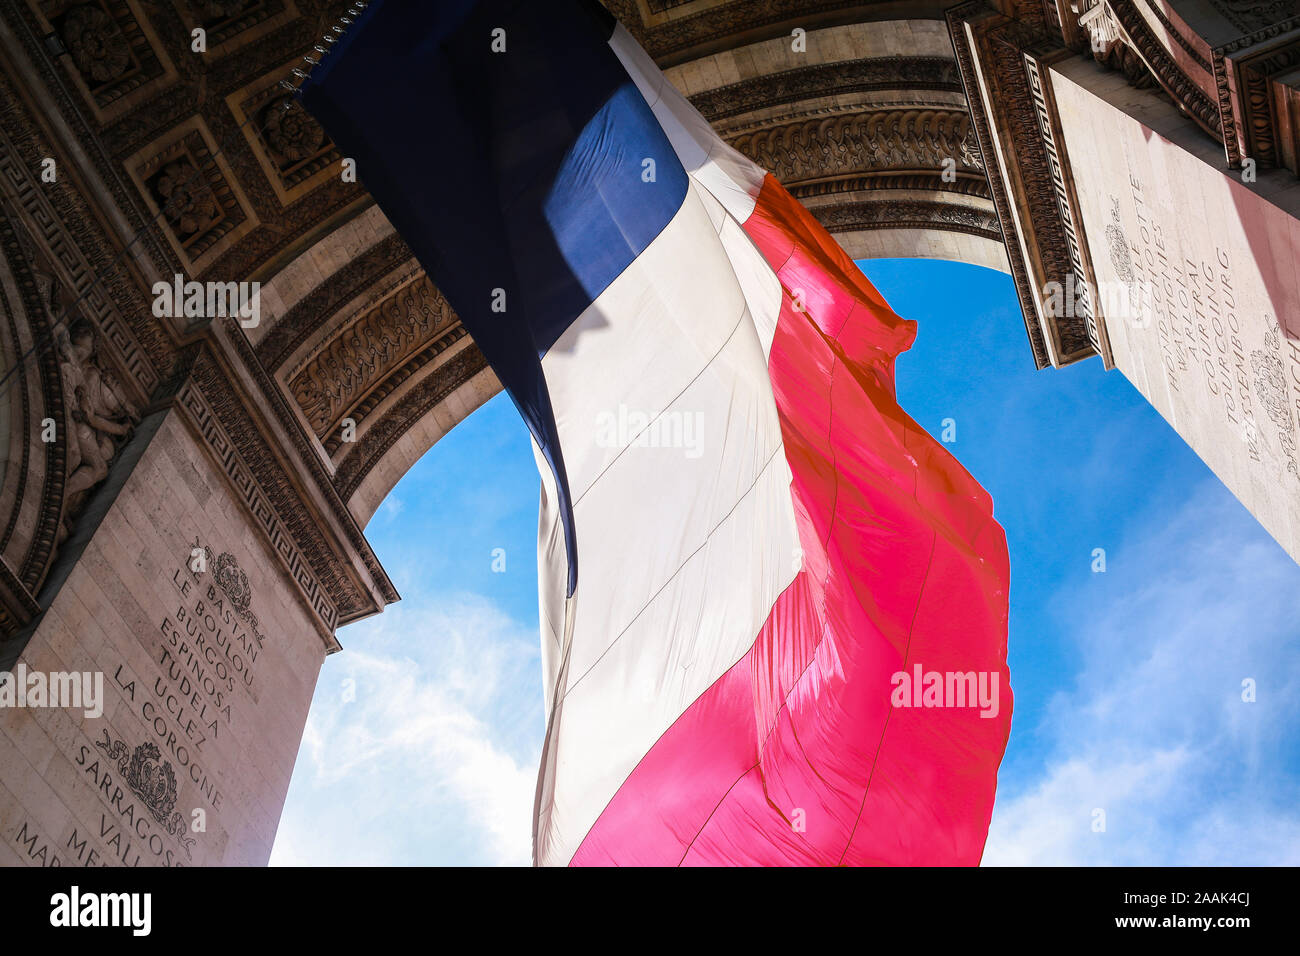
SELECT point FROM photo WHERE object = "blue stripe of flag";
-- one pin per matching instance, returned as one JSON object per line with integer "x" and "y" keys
{"x": 538, "y": 173}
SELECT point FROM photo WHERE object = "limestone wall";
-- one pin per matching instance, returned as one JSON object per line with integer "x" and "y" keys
{"x": 223, "y": 696}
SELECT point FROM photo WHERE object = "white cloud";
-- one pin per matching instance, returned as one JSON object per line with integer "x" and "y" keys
{"x": 1154, "y": 730}
{"x": 392, "y": 507}
{"x": 434, "y": 761}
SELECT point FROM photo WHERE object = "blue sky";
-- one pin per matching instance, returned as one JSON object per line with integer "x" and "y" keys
{"x": 424, "y": 735}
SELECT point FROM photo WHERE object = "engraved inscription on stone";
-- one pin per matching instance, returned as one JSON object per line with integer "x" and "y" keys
{"x": 1208, "y": 345}
{"x": 202, "y": 668}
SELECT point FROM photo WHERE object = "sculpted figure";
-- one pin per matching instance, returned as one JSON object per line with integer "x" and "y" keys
{"x": 99, "y": 411}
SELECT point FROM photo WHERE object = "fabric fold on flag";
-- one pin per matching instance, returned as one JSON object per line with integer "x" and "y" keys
{"x": 797, "y": 755}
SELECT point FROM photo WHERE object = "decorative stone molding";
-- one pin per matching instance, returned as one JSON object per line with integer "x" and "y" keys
{"x": 253, "y": 44}
{"x": 205, "y": 421}
{"x": 34, "y": 482}
{"x": 414, "y": 405}
{"x": 1001, "y": 81}
{"x": 720, "y": 24}
{"x": 829, "y": 79}
{"x": 212, "y": 409}
{"x": 885, "y": 139}
{"x": 17, "y": 604}
{"x": 862, "y": 139}
{"x": 293, "y": 329}
{"x": 1193, "y": 48}
{"x": 398, "y": 375}
{"x": 1066, "y": 205}
{"x": 321, "y": 484}
{"x": 367, "y": 350}
{"x": 1107, "y": 43}
{"x": 859, "y": 118}
{"x": 194, "y": 194}
{"x": 1136, "y": 34}
{"x": 61, "y": 222}
{"x": 909, "y": 214}
{"x": 1257, "y": 105}
{"x": 967, "y": 183}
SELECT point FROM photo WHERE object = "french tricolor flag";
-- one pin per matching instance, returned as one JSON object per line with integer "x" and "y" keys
{"x": 744, "y": 543}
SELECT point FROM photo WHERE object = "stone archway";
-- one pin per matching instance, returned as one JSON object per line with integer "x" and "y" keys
{"x": 860, "y": 133}
{"x": 244, "y": 462}
{"x": 865, "y": 122}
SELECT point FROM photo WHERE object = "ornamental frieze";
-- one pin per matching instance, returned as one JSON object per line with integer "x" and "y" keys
{"x": 367, "y": 452}
{"x": 367, "y": 350}
{"x": 892, "y": 139}
{"x": 362, "y": 274}
{"x": 909, "y": 213}
{"x": 829, "y": 79}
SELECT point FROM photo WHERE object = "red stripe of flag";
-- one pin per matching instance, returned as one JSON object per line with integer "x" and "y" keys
{"x": 796, "y": 755}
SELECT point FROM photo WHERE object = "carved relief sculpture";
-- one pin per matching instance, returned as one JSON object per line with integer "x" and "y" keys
{"x": 101, "y": 414}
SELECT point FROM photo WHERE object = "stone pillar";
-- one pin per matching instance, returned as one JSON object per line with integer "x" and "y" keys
{"x": 187, "y": 594}
{"x": 1178, "y": 233}
{"x": 1197, "y": 283}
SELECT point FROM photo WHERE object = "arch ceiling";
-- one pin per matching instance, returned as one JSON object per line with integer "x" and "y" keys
{"x": 173, "y": 162}
{"x": 857, "y": 127}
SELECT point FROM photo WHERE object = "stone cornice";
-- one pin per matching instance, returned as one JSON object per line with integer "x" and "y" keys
{"x": 1243, "y": 70}
{"x": 895, "y": 139}
{"x": 924, "y": 214}
{"x": 972, "y": 15}
{"x": 282, "y": 483}
{"x": 728, "y": 25}
{"x": 829, "y": 79}
{"x": 971, "y": 184}
{"x": 435, "y": 387}
{"x": 289, "y": 436}
{"x": 1036, "y": 178}
{"x": 1184, "y": 91}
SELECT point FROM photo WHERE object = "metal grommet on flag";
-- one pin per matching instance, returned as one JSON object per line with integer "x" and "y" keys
{"x": 322, "y": 48}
